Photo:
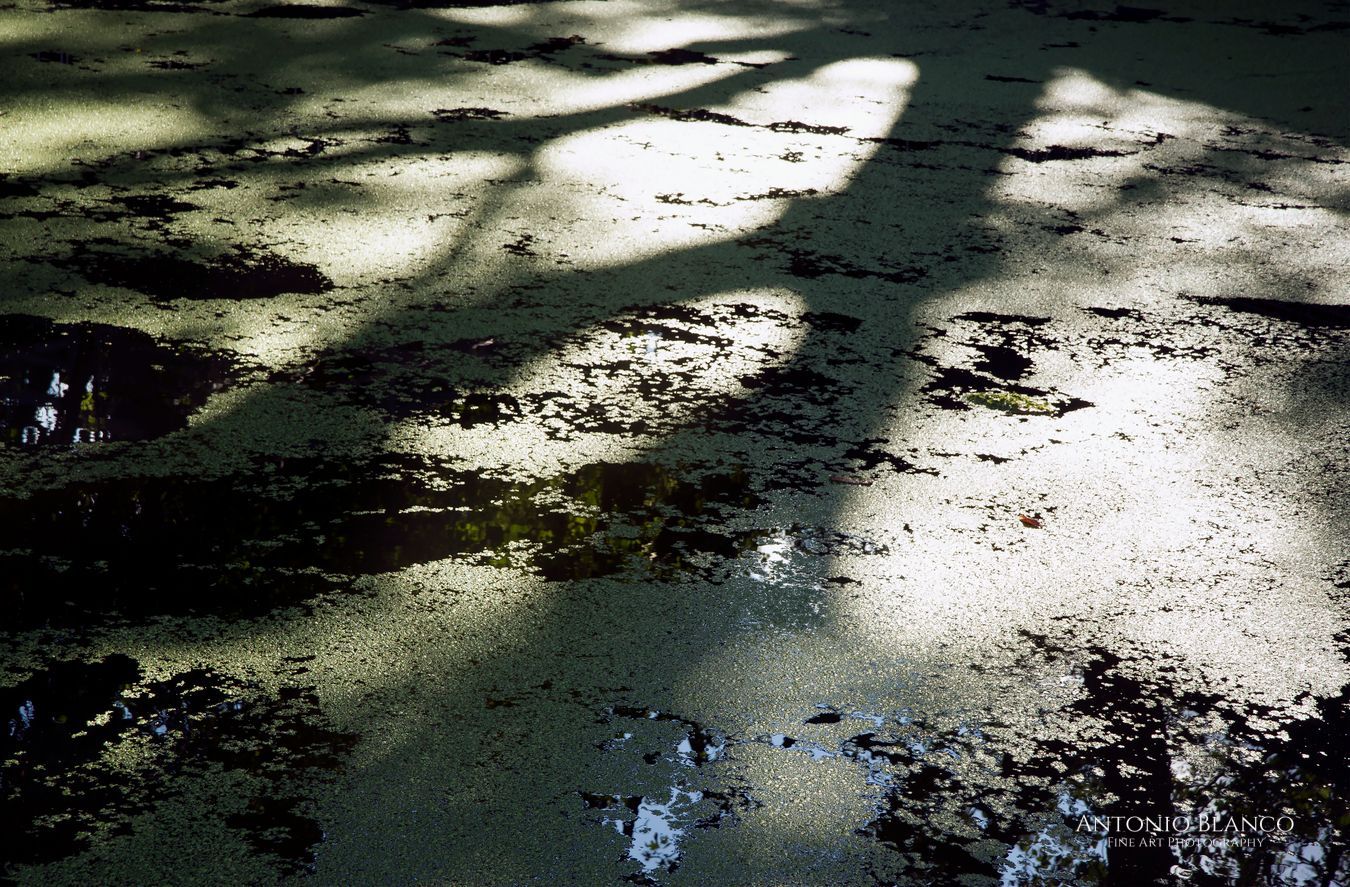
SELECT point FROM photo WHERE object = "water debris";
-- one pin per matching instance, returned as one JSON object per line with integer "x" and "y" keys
{"x": 65, "y": 384}
{"x": 1009, "y": 402}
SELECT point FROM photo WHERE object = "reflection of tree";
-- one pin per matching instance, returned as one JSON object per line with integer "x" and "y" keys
{"x": 85, "y": 383}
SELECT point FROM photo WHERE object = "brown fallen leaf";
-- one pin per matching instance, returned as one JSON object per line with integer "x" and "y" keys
{"x": 1029, "y": 521}
{"x": 848, "y": 479}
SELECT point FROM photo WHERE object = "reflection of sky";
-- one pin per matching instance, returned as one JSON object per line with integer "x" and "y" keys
{"x": 659, "y": 828}
{"x": 1055, "y": 852}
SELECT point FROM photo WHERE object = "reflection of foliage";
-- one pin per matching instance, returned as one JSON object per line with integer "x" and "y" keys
{"x": 131, "y": 544}
{"x": 1305, "y": 777}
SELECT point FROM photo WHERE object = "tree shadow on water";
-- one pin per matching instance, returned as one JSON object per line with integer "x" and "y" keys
{"x": 863, "y": 261}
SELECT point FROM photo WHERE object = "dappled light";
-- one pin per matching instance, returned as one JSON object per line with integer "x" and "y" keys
{"x": 673, "y": 442}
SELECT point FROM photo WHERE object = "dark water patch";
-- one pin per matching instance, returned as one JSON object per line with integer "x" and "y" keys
{"x": 450, "y": 115}
{"x": 406, "y": 378}
{"x": 1257, "y": 772}
{"x": 956, "y": 388}
{"x": 246, "y": 273}
{"x": 822, "y": 541}
{"x": 1064, "y": 230}
{"x": 596, "y": 801}
{"x": 830, "y": 321}
{"x": 1134, "y": 330}
{"x": 1253, "y": 763}
{"x": 1061, "y": 152}
{"x": 158, "y": 208}
{"x": 494, "y": 56}
{"x": 556, "y": 44}
{"x": 995, "y": 319}
{"x": 521, "y": 246}
{"x": 796, "y": 126}
{"x": 398, "y": 134}
{"x": 1137, "y": 15}
{"x": 175, "y": 65}
{"x": 9, "y": 187}
{"x": 905, "y": 144}
{"x": 59, "y": 57}
{"x": 1116, "y": 313}
{"x": 870, "y": 454}
{"x": 1267, "y": 330}
{"x": 1307, "y": 314}
{"x": 305, "y": 11}
{"x": 961, "y": 800}
{"x": 681, "y": 56}
{"x": 137, "y": 546}
{"x": 75, "y": 383}
{"x": 781, "y": 194}
{"x": 700, "y": 115}
{"x": 1006, "y": 344}
{"x": 1287, "y": 29}
{"x": 62, "y": 785}
{"x": 678, "y": 56}
{"x": 1009, "y": 364}
{"x": 454, "y": 4}
{"x": 811, "y": 265}
{"x": 129, "y": 5}
{"x": 1189, "y": 170}
{"x": 795, "y": 383}
{"x": 1001, "y": 79}
{"x": 1130, "y": 14}
{"x": 205, "y": 184}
